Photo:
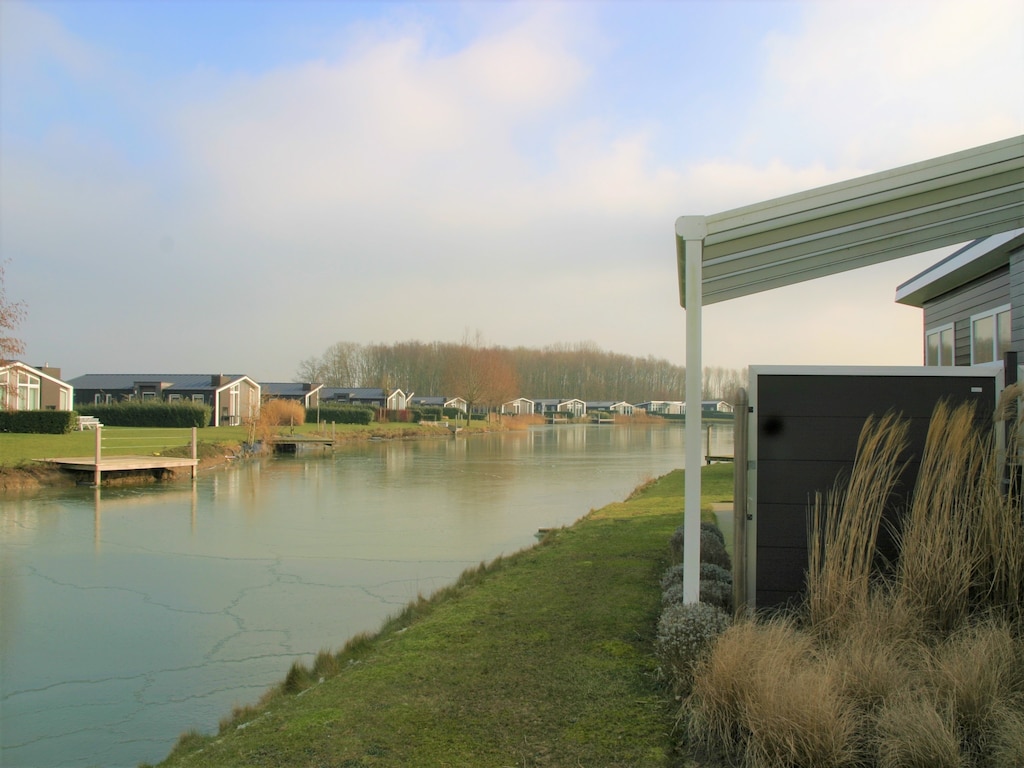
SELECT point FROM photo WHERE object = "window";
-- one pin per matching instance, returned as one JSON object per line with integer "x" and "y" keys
{"x": 174, "y": 398}
{"x": 149, "y": 395}
{"x": 22, "y": 387}
{"x": 197, "y": 398}
{"x": 990, "y": 335}
{"x": 939, "y": 345}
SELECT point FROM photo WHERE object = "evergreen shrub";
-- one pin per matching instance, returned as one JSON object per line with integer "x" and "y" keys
{"x": 38, "y": 422}
{"x": 150, "y": 413}
{"x": 712, "y": 545}
{"x": 715, "y": 586}
{"x": 686, "y": 633}
{"x": 341, "y": 414}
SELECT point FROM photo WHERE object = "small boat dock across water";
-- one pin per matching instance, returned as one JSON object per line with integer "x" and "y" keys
{"x": 97, "y": 464}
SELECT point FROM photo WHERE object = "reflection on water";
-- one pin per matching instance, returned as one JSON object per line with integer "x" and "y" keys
{"x": 129, "y": 615}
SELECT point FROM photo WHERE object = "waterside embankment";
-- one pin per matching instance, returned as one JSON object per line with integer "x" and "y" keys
{"x": 543, "y": 658}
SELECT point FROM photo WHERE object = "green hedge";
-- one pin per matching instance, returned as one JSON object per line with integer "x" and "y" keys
{"x": 150, "y": 413}
{"x": 427, "y": 413}
{"x": 38, "y": 422}
{"x": 341, "y": 414}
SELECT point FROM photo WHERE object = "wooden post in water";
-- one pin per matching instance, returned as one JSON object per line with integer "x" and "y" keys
{"x": 99, "y": 454}
{"x": 195, "y": 453}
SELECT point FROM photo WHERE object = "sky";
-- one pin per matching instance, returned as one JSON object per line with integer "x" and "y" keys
{"x": 236, "y": 185}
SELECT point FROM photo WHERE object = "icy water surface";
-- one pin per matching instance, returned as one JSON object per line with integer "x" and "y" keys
{"x": 130, "y": 615}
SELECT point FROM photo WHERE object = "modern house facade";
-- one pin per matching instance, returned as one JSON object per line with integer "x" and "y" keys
{"x": 233, "y": 397}
{"x": 438, "y": 401}
{"x": 663, "y": 407}
{"x": 370, "y": 397}
{"x": 305, "y": 392}
{"x": 24, "y": 388}
{"x": 972, "y": 302}
{"x": 572, "y": 406}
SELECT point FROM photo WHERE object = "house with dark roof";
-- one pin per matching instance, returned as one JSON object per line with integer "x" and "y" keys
{"x": 663, "y": 407}
{"x": 373, "y": 397}
{"x": 610, "y": 406}
{"x": 305, "y": 392}
{"x": 233, "y": 397}
{"x": 521, "y": 406}
{"x": 24, "y": 388}
{"x": 973, "y": 302}
{"x": 438, "y": 401}
{"x": 571, "y": 405}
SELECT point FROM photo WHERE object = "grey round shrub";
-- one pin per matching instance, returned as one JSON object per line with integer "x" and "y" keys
{"x": 716, "y": 593}
{"x": 685, "y": 634}
{"x": 714, "y": 530}
{"x": 712, "y": 550}
{"x": 711, "y": 538}
{"x": 673, "y": 593}
{"x": 673, "y": 575}
{"x": 712, "y": 572}
{"x": 715, "y": 586}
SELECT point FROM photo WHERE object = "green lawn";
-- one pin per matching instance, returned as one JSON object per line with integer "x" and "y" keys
{"x": 17, "y": 449}
{"x": 539, "y": 659}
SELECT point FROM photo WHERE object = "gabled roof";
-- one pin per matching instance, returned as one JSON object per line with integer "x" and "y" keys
{"x": 35, "y": 372}
{"x": 172, "y": 381}
{"x": 428, "y": 400}
{"x": 974, "y": 260}
{"x": 288, "y": 388}
{"x": 856, "y": 223}
{"x": 356, "y": 393}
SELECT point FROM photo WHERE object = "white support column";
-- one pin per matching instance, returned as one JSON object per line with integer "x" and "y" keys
{"x": 692, "y": 230}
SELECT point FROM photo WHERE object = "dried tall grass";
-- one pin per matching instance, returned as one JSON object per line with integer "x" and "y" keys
{"x": 922, "y": 668}
{"x": 915, "y": 730}
{"x": 843, "y": 529}
{"x": 962, "y": 542}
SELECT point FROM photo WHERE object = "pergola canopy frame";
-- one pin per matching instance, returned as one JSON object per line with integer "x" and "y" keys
{"x": 836, "y": 228}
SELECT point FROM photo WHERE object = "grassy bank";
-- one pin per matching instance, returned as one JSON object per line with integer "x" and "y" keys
{"x": 539, "y": 659}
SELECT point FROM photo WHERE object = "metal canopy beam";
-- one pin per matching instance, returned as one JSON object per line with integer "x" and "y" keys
{"x": 864, "y": 221}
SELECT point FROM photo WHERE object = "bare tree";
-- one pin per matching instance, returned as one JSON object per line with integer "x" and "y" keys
{"x": 480, "y": 376}
{"x": 11, "y": 316}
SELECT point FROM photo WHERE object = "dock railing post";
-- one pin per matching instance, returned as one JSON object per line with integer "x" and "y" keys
{"x": 99, "y": 456}
{"x": 195, "y": 453}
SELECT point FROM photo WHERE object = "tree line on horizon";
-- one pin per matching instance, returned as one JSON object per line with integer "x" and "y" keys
{"x": 492, "y": 374}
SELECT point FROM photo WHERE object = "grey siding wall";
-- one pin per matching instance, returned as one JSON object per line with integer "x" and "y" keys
{"x": 806, "y": 428}
{"x": 1017, "y": 300}
{"x": 992, "y": 290}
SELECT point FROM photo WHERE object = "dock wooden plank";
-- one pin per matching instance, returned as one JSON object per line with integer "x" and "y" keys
{"x": 122, "y": 463}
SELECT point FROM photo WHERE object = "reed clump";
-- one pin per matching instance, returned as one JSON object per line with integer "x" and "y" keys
{"x": 919, "y": 662}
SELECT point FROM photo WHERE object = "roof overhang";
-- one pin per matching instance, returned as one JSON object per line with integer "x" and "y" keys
{"x": 969, "y": 263}
{"x": 940, "y": 202}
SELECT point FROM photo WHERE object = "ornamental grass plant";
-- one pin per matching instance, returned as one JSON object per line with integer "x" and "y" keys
{"x": 914, "y": 663}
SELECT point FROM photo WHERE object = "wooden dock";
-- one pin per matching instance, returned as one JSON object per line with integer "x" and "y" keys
{"x": 295, "y": 443}
{"x": 123, "y": 464}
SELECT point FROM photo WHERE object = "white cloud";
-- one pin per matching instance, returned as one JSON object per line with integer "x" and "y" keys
{"x": 875, "y": 84}
{"x": 33, "y": 42}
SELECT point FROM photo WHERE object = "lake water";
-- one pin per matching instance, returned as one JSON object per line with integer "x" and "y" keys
{"x": 130, "y": 615}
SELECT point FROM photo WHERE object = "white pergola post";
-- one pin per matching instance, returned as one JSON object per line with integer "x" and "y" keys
{"x": 692, "y": 230}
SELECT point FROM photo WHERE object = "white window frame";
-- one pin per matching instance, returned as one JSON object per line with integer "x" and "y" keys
{"x": 198, "y": 399}
{"x": 993, "y": 313}
{"x": 938, "y": 330}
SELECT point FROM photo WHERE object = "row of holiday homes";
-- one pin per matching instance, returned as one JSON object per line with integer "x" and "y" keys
{"x": 234, "y": 397}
